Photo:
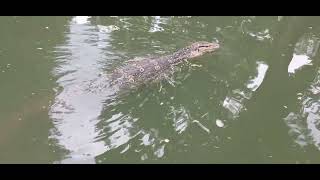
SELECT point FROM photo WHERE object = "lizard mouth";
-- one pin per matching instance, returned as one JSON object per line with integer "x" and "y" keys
{"x": 210, "y": 47}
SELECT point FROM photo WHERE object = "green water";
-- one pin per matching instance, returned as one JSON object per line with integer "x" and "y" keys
{"x": 256, "y": 100}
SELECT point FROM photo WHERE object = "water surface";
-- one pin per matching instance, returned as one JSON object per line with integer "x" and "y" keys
{"x": 256, "y": 100}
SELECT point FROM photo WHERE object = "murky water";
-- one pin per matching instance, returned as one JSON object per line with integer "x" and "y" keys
{"x": 256, "y": 100}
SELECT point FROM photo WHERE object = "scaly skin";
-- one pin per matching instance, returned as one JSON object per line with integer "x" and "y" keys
{"x": 138, "y": 72}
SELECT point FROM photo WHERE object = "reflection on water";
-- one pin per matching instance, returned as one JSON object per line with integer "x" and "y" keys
{"x": 156, "y": 24}
{"x": 305, "y": 49}
{"x": 75, "y": 111}
{"x": 236, "y": 100}
{"x": 180, "y": 118}
{"x": 221, "y": 107}
{"x": 91, "y": 123}
{"x": 297, "y": 62}
{"x": 80, "y": 129}
{"x": 305, "y": 120}
{"x": 257, "y": 81}
{"x": 81, "y": 19}
{"x": 304, "y": 124}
